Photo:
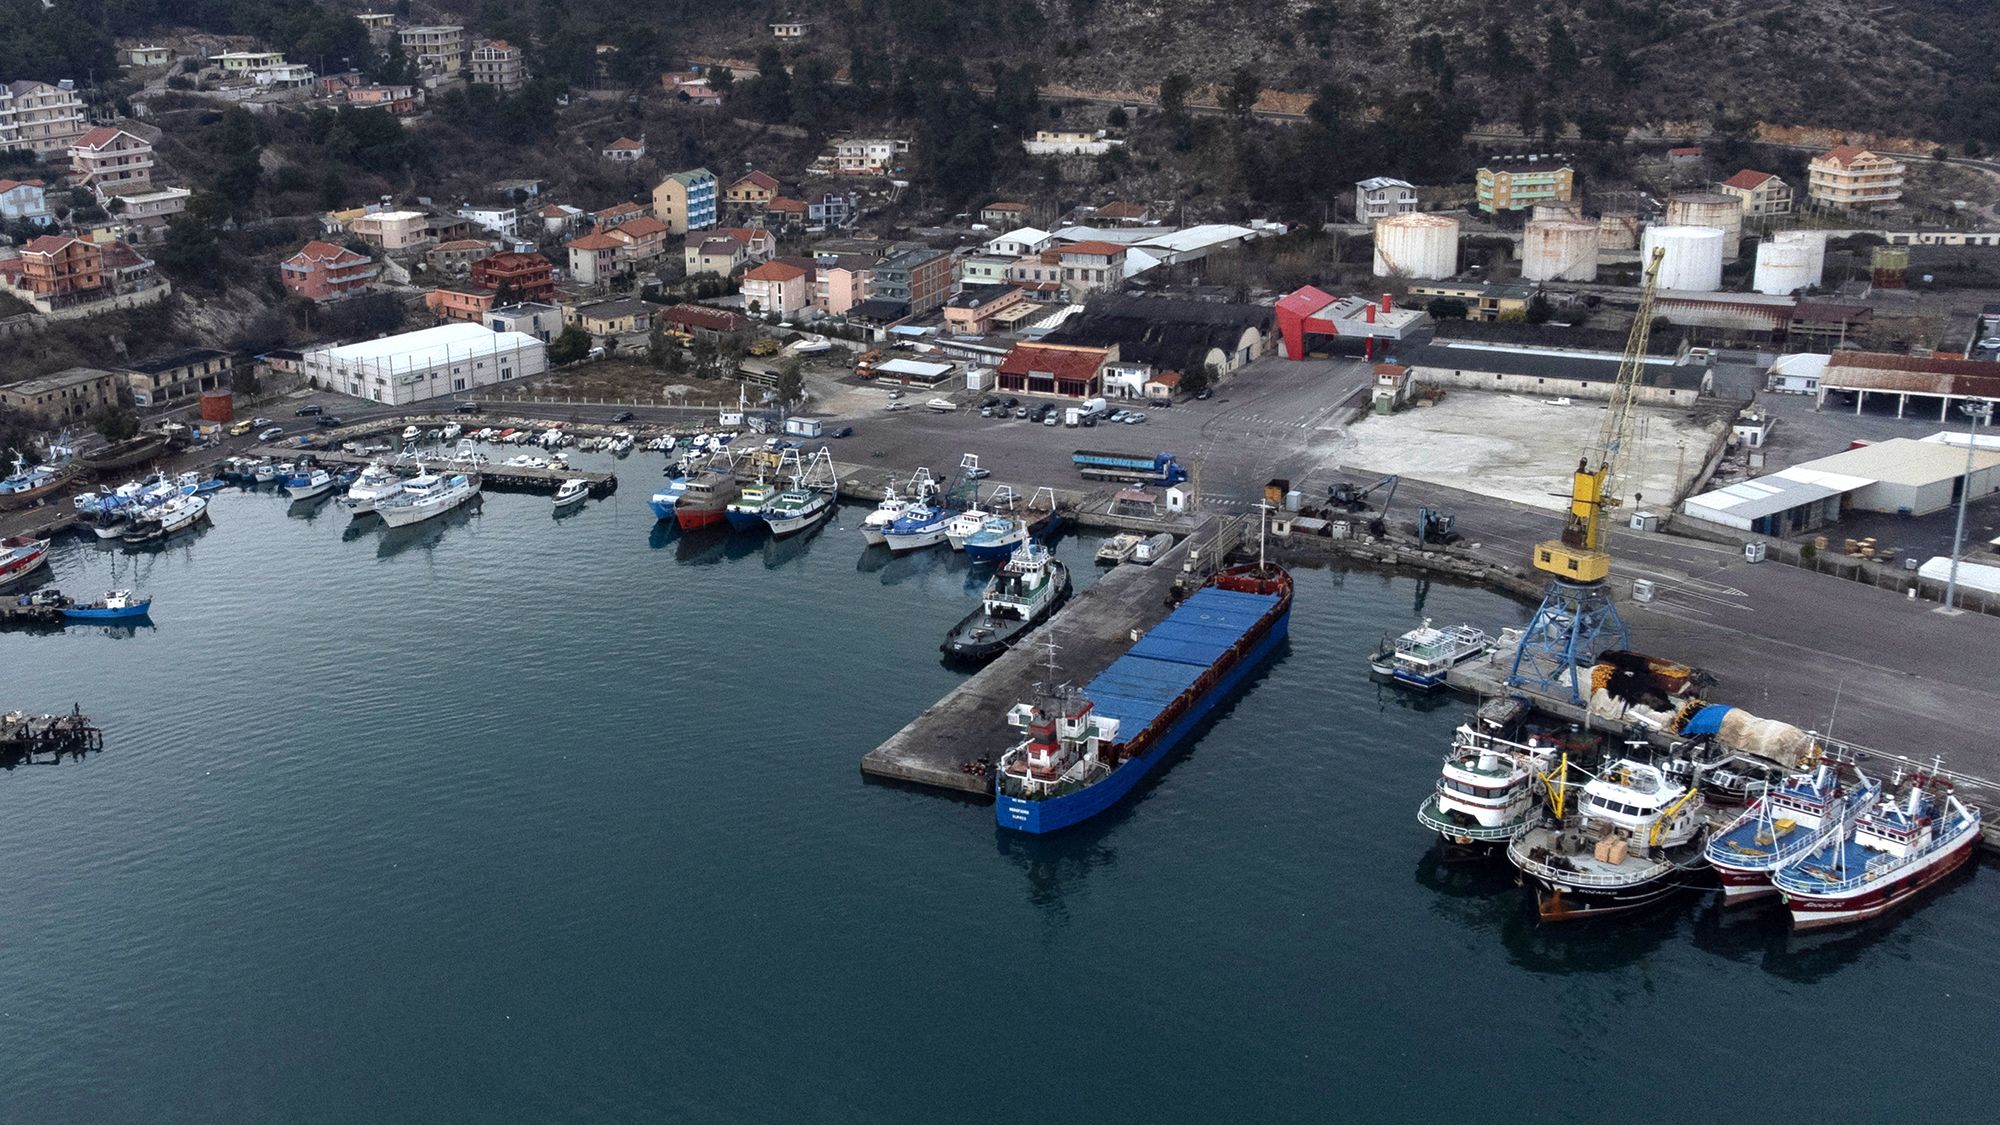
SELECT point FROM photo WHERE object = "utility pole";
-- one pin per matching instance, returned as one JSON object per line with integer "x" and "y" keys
{"x": 1980, "y": 413}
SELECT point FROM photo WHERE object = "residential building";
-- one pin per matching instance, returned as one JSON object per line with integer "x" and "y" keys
{"x": 125, "y": 270}
{"x": 444, "y": 226}
{"x": 1125, "y": 214}
{"x": 789, "y": 30}
{"x": 109, "y": 159}
{"x": 530, "y": 318}
{"x": 1055, "y": 369}
{"x": 380, "y": 25}
{"x": 73, "y": 394}
{"x": 1003, "y": 214}
{"x": 776, "y": 289}
{"x": 561, "y": 218}
{"x": 1762, "y": 194}
{"x": 177, "y": 377}
{"x": 1020, "y": 242}
{"x": 151, "y": 210}
{"x": 413, "y": 366}
{"x": 462, "y": 303}
{"x": 62, "y": 269}
{"x": 977, "y": 310}
{"x": 920, "y": 278}
{"x": 242, "y": 64}
{"x": 1847, "y": 176}
{"x": 869, "y": 156}
{"x": 25, "y": 201}
{"x": 620, "y": 317}
{"x": 625, "y": 150}
{"x": 517, "y": 277}
{"x": 782, "y": 213}
{"x": 1068, "y": 142}
{"x": 753, "y": 189}
{"x": 985, "y": 269}
{"x": 41, "y": 118}
{"x": 393, "y": 230}
{"x": 831, "y": 210}
{"x": 500, "y": 218}
{"x": 321, "y": 271}
{"x": 1517, "y": 183}
{"x": 616, "y": 214}
{"x": 1380, "y": 196}
{"x": 696, "y": 322}
{"x": 1090, "y": 267}
{"x": 455, "y": 258}
{"x": 593, "y": 259}
{"x": 1687, "y": 156}
{"x": 691, "y": 85}
{"x": 686, "y": 201}
{"x": 720, "y": 255}
{"x": 641, "y": 241}
{"x": 1036, "y": 270}
{"x": 148, "y": 55}
{"x": 497, "y": 63}
{"x": 283, "y": 76}
{"x": 840, "y": 282}
{"x": 438, "y": 50}
{"x": 398, "y": 100}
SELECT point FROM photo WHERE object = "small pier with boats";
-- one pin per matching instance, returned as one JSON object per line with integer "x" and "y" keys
{"x": 494, "y": 475}
{"x": 953, "y": 743}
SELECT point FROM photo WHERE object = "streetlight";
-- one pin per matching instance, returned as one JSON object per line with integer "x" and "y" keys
{"x": 1980, "y": 413}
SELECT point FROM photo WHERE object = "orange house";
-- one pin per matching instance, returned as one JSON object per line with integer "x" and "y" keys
{"x": 469, "y": 305}
{"x": 55, "y": 266}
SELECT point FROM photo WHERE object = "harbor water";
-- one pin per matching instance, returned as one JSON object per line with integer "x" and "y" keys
{"x": 510, "y": 817}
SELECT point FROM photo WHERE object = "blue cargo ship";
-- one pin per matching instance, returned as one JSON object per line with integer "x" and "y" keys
{"x": 1084, "y": 753}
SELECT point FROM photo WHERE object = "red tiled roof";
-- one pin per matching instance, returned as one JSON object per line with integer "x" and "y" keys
{"x": 553, "y": 211}
{"x": 1167, "y": 379}
{"x": 774, "y": 271}
{"x": 119, "y": 255}
{"x": 49, "y": 243}
{"x": 694, "y": 316}
{"x": 594, "y": 242}
{"x": 642, "y": 226}
{"x": 1748, "y": 180}
{"x": 625, "y": 144}
{"x": 101, "y": 136}
{"x": 1123, "y": 210}
{"x": 1844, "y": 155}
{"x": 617, "y": 209}
{"x": 1690, "y": 150}
{"x": 768, "y": 183}
{"x": 327, "y": 253}
{"x": 1013, "y": 208}
{"x": 1100, "y": 249}
{"x": 1064, "y": 362}
{"x": 10, "y": 185}
{"x": 783, "y": 204}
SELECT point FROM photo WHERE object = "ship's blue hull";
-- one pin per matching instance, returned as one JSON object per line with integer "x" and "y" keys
{"x": 89, "y": 613}
{"x": 1056, "y": 813}
{"x": 982, "y": 552}
{"x": 745, "y": 521}
{"x": 662, "y": 504}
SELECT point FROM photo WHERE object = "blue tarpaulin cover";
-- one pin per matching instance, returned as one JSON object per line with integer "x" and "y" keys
{"x": 1708, "y": 720}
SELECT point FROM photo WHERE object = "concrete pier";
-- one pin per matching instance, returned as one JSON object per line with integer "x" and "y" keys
{"x": 491, "y": 474}
{"x": 1094, "y": 629}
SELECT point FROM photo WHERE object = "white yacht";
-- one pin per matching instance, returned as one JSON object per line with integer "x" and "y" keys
{"x": 427, "y": 495}
{"x": 376, "y": 483}
{"x": 573, "y": 492}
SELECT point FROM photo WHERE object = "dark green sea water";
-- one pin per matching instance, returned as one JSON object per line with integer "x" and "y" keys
{"x": 512, "y": 818}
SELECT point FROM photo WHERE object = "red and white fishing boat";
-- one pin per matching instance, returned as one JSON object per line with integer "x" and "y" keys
{"x": 1904, "y": 844}
{"x": 20, "y": 556}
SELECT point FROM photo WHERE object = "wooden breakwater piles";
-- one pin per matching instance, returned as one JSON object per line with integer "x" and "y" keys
{"x": 28, "y": 736}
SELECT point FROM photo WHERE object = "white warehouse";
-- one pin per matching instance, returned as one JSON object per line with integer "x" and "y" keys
{"x": 435, "y": 361}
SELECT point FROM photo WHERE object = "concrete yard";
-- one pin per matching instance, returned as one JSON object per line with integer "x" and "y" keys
{"x": 1521, "y": 449}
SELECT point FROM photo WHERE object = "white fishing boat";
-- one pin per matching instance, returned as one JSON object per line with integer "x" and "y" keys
{"x": 426, "y": 496}
{"x": 305, "y": 483}
{"x": 1117, "y": 549}
{"x": 964, "y": 526}
{"x": 376, "y": 483}
{"x": 176, "y": 515}
{"x": 572, "y": 492}
{"x": 1423, "y": 656}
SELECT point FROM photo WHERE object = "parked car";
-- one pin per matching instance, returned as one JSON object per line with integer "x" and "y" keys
{"x": 468, "y": 408}
{"x": 844, "y": 431}
{"x": 623, "y": 416}
{"x": 1134, "y": 418}
{"x": 330, "y": 420}
{"x": 1012, "y": 403}
{"x": 1161, "y": 403}
{"x": 1021, "y": 412}
{"x": 1205, "y": 394}
{"x": 309, "y": 409}
{"x": 986, "y": 412}
{"x": 978, "y": 473}
{"x": 241, "y": 428}
{"x": 271, "y": 433}
{"x": 259, "y": 423}
{"x": 1118, "y": 416}
{"x": 1051, "y": 418}
{"x": 898, "y": 405}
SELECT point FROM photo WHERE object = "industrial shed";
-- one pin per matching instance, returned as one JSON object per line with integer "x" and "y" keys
{"x": 1173, "y": 335}
{"x": 1924, "y": 384}
{"x": 1902, "y": 476}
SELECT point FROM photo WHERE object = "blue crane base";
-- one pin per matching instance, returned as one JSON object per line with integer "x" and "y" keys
{"x": 1560, "y": 645}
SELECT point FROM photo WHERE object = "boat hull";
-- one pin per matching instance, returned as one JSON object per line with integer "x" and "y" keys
{"x": 1813, "y": 911}
{"x": 1563, "y": 903}
{"x": 918, "y": 540}
{"x": 1053, "y": 814}
{"x": 786, "y": 527}
{"x": 961, "y": 645}
{"x": 94, "y": 613}
{"x": 27, "y": 497}
{"x": 693, "y": 519}
{"x": 125, "y": 454}
{"x": 992, "y": 552}
{"x": 1471, "y": 838}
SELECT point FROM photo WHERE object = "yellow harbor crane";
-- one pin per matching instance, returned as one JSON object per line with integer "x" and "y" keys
{"x": 1578, "y": 618}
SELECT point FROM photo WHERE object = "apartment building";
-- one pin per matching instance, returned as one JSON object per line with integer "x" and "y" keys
{"x": 1847, "y": 176}
{"x": 111, "y": 161}
{"x": 1762, "y": 194}
{"x": 437, "y": 49}
{"x": 40, "y": 118}
{"x": 1517, "y": 183}
{"x": 497, "y": 63}
{"x": 686, "y": 201}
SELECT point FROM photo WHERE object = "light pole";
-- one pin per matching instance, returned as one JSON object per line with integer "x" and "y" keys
{"x": 1980, "y": 413}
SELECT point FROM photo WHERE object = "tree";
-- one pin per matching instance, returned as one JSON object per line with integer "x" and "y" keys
{"x": 1173, "y": 99}
{"x": 1447, "y": 308}
{"x": 1539, "y": 310}
{"x": 1196, "y": 378}
{"x": 1564, "y": 58}
{"x": 1116, "y": 119}
{"x": 116, "y": 423}
{"x": 1239, "y": 98}
{"x": 572, "y": 345}
{"x": 791, "y": 386}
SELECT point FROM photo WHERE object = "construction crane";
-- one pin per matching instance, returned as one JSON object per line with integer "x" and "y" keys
{"x": 1578, "y": 618}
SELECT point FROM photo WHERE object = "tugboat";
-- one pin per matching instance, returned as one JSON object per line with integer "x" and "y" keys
{"x": 1801, "y": 815}
{"x": 1083, "y": 751}
{"x": 1635, "y": 840}
{"x": 1025, "y": 593}
{"x": 1894, "y": 850}
{"x": 1422, "y": 656}
{"x": 1487, "y": 791}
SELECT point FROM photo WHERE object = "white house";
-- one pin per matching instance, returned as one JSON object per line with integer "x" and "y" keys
{"x": 1020, "y": 242}
{"x": 1379, "y": 197}
{"x": 498, "y": 218}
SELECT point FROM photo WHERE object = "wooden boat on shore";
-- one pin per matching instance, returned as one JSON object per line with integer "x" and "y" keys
{"x": 125, "y": 454}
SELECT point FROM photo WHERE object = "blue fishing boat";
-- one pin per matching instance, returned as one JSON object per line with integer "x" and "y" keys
{"x": 919, "y": 526}
{"x": 1800, "y": 815}
{"x": 996, "y": 539}
{"x": 117, "y": 605}
{"x": 746, "y": 512}
{"x": 1084, "y": 751}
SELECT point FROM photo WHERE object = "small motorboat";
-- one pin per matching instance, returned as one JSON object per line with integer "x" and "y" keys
{"x": 114, "y": 606}
{"x": 573, "y": 492}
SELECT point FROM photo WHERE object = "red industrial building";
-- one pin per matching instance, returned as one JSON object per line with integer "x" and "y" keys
{"x": 1343, "y": 325}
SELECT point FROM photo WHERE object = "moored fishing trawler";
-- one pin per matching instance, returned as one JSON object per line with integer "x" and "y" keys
{"x": 376, "y": 483}
{"x": 1906, "y": 842}
{"x": 20, "y": 556}
{"x": 1488, "y": 789}
{"x": 998, "y": 538}
{"x": 1635, "y": 838}
{"x": 115, "y": 605}
{"x": 1083, "y": 751}
{"x": 746, "y": 511}
{"x": 704, "y": 499}
{"x": 919, "y": 526}
{"x": 1022, "y": 595}
{"x": 809, "y": 500}
{"x": 427, "y": 495}
{"x": 177, "y": 514}
{"x": 1799, "y": 816}
{"x": 1423, "y": 656}
{"x": 895, "y": 500}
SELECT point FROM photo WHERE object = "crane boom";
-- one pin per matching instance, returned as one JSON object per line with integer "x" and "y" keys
{"x": 1580, "y": 553}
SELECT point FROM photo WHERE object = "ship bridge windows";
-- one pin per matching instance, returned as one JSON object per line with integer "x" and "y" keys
{"x": 1473, "y": 790}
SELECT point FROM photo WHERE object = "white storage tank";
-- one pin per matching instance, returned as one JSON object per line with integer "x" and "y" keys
{"x": 1782, "y": 268}
{"x": 1694, "y": 257}
{"x": 1559, "y": 250}
{"x": 1715, "y": 209}
{"x": 1416, "y": 246}
{"x": 1563, "y": 210}
{"x": 1815, "y": 243}
{"x": 1618, "y": 230}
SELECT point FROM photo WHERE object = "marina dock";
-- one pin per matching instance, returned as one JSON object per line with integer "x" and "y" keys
{"x": 492, "y": 475}
{"x": 1095, "y": 628}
